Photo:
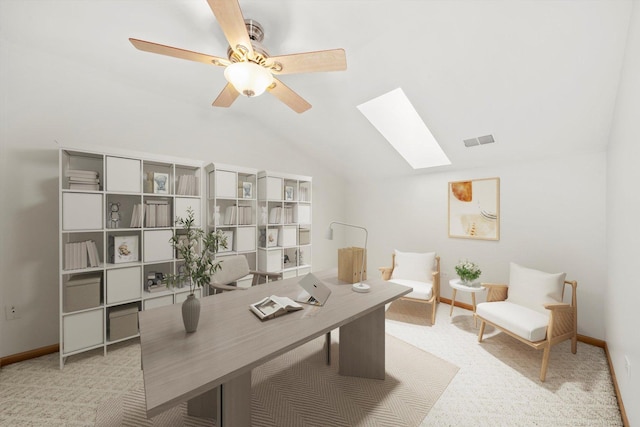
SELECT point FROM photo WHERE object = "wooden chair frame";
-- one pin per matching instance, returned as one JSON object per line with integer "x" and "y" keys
{"x": 563, "y": 322}
{"x": 435, "y": 294}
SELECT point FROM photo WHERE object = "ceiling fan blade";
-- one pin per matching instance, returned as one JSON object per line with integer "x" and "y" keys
{"x": 229, "y": 16}
{"x": 226, "y": 97}
{"x": 309, "y": 62}
{"x": 179, "y": 53}
{"x": 289, "y": 97}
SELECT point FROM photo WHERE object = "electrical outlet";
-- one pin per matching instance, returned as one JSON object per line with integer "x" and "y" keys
{"x": 11, "y": 312}
{"x": 627, "y": 365}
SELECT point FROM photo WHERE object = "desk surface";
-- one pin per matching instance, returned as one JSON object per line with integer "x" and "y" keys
{"x": 231, "y": 340}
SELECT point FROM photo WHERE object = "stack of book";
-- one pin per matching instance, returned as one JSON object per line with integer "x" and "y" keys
{"x": 157, "y": 213}
{"x": 187, "y": 185}
{"x": 81, "y": 255}
{"x": 137, "y": 216}
{"x": 275, "y": 215}
{"x": 230, "y": 215}
{"x": 83, "y": 179}
{"x": 244, "y": 215}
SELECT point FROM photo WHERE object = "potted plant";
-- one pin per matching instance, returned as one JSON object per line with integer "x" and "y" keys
{"x": 468, "y": 272}
{"x": 197, "y": 249}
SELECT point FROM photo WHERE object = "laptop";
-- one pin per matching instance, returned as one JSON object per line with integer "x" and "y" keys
{"x": 315, "y": 292}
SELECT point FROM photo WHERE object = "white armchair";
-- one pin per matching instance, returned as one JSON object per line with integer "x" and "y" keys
{"x": 531, "y": 309}
{"x": 420, "y": 271}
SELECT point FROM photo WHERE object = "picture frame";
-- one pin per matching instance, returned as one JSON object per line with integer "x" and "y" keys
{"x": 288, "y": 193}
{"x": 161, "y": 183}
{"x": 272, "y": 237}
{"x": 229, "y": 235}
{"x": 247, "y": 190}
{"x": 124, "y": 249}
{"x": 474, "y": 209}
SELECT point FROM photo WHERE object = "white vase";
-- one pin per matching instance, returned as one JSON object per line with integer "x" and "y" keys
{"x": 191, "y": 313}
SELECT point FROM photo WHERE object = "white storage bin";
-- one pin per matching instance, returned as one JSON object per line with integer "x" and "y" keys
{"x": 158, "y": 302}
{"x": 302, "y": 214}
{"x": 287, "y": 236}
{"x": 226, "y": 184}
{"x": 82, "y": 330}
{"x": 246, "y": 239}
{"x": 270, "y": 260}
{"x": 123, "y": 175}
{"x": 182, "y": 204}
{"x": 82, "y": 211}
{"x": 157, "y": 246}
{"x": 123, "y": 284}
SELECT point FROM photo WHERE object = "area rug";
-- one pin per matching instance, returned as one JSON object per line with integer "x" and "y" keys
{"x": 299, "y": 389}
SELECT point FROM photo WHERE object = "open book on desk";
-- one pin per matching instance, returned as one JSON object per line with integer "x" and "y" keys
{"x": 274, "y": 306}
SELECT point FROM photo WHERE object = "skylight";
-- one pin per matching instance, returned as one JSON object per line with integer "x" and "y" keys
{"x": 396, "y": 119}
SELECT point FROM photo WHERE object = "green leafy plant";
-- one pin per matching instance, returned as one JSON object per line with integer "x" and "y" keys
{"x": 468, "y": 271}
{"x": 197, "y": 249}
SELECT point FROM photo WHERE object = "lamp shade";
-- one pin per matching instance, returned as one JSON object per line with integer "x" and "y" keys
{"x": 248, "y": 78}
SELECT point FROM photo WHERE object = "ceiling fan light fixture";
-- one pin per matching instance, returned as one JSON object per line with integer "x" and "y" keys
{"x": 248, "y": 78}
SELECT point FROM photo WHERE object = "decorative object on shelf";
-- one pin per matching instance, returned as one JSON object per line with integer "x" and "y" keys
{"x": 160, "y": 181}
{"x": 288, "y": 193}
{"x": 474, "y": 209}
{"x": 360, "y": 286}
{"x": 247, "y": 190}
{"x": 198, "y": 265}
{"x": 468, "y": 272}
{"x": 272, "y": 237}
{"x": 114, "y": 215}
{"x": 123, "y": 249}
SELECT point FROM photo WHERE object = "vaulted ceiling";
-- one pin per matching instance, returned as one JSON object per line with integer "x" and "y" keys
{"x": 541, "y": 76}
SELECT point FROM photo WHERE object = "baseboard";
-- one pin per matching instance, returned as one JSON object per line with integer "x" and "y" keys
{"x": 623, "y": 413}
{"x": 31, "y": 354}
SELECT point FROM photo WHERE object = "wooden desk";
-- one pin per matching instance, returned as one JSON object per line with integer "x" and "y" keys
{"x": 211, "y": 368}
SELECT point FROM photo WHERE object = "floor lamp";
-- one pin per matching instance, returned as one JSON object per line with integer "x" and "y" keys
{"x": 357, "y": 287}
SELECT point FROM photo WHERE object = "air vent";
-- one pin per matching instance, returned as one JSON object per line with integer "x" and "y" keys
{"x": 471, "y": 142}
{"x": 481, "y": 140}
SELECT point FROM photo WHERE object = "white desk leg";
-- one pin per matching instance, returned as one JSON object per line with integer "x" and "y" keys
{"x": 230, "y": 403}
{"x": 361, "y": 351}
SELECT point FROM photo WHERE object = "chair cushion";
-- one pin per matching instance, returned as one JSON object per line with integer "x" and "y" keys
{"x": 421, "y": 290}
{"x": 522, "y": 321}
{"x": 533, "y": 288}
{"x": 413, "y": 266}
{"x": 232, "y": 269}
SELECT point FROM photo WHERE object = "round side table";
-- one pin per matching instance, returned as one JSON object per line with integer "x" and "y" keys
{"x": 456, "y": 285}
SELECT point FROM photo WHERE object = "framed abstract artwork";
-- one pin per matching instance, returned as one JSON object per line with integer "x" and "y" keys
{"x": 474, "y": 209}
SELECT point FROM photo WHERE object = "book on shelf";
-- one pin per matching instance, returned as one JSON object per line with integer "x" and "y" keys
{"x": 275, "y": 215}
{"x": 273, "y": 306}
{"x": 83, "y": 186}
{"x": 79, "y": 255}
{"x": 187, "y": 185}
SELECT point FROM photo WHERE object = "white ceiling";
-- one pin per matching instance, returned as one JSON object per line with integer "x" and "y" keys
{"x": 541, "y": 76}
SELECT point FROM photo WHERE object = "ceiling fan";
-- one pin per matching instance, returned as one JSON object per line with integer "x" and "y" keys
{"x": 249, "y": 69}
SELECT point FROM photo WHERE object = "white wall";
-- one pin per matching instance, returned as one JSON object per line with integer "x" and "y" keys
{"x": 552, "y": 218}
{"x": 623, "y": 212}
{"x": 48, "y": 101}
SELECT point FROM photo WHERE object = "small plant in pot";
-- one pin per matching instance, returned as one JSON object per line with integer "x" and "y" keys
{"x": 468, "y": 272}
{"x": 197, "y": 250}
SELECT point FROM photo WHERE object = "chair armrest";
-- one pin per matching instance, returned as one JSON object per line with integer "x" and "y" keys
{"x": 225, "y": 287}
{"x": 558, "y": 306}
{"x": 496, "y": 291}
{"x": 386, "y": 272}
{"x": 264, "y": 274}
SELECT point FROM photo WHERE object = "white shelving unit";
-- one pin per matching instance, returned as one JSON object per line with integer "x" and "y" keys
{"x": 284, "y": 223}
{"x": 231, "y": 207}
{"x": 95, "y": 291}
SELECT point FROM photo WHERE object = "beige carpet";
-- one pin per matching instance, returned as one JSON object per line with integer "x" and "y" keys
{"x": 299, "y": 389}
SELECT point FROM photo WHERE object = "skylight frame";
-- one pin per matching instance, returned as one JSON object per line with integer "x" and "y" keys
{"x": 393, "y": 115}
